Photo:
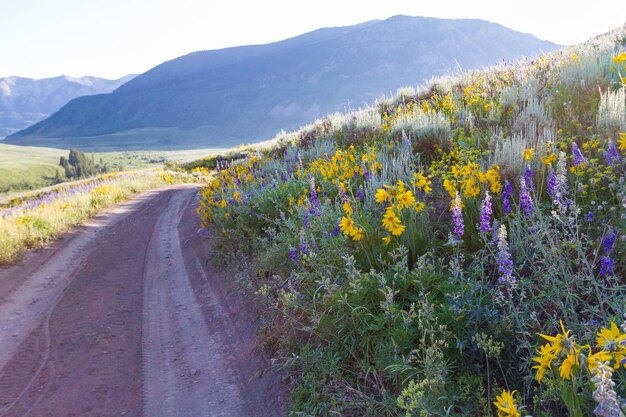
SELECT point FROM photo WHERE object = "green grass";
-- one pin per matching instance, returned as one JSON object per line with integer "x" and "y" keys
{"x": 26, "y": 167}
{"x": 142, "y": 159}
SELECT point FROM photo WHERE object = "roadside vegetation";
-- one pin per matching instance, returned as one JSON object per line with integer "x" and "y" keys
{"x": 458, "y": 249}
{"x": 37, "y": 219}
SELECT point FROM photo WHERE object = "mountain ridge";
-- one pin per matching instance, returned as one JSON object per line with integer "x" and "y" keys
{"x": 248, "y": 93}
{"x": 24, "y": 101}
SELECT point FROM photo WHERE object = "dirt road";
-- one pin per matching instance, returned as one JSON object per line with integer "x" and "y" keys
{"x": 125, "y": 318}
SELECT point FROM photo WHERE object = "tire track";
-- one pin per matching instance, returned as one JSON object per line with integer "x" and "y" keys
{"x": 186, "y": 369}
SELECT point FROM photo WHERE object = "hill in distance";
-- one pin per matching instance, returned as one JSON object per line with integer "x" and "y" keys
{"x": 24, "y": 101}
{"x": 224, "y": 97}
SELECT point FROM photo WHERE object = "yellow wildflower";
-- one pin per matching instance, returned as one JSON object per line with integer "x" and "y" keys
{"x": 470, "y": 187}
{"x": 610, "y": 340}
{"x": 405, "y": 199}
{"x": 557, "y": 342}
{"x": 593, "y": 359}
{"x": 450, "y": 187}
{"x": 397, "y": 229}
{"x": 548, "y": 159}
{"x": 495, "y": 181}
{"x": 528, "y": 154}
{"x": 620, "y": 59}
{"x": 387, "y": 239}
{"x": 622, "y": 141}
{"x": 346, "y": 225}
{"x": 505, "y": 404}
{"x": 381, "y": 195}
{"x": 222, "y": 204}
{"x": 544, "y": 361}
{"x": 567, "y": 367}
{"x": 392, "y": 222}
{"x": 356, "y": 233}
{"x": 347, "y": 208}
{"x": 422, "y": 182}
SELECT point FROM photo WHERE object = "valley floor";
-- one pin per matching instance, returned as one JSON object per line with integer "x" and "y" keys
{"x": 126, "y": 318}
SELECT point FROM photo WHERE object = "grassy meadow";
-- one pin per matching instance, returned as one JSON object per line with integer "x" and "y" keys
{"x": 458, "y": 249}
{"x": 26, "y": 167}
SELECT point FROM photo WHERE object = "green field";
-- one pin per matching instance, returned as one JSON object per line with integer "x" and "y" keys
{"x": 25, "y": 168}
{"x": 142, "y": 159}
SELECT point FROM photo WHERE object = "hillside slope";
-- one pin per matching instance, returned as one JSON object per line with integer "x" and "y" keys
{"x": 222, "y": 97}
{"x": 24, "y": 101}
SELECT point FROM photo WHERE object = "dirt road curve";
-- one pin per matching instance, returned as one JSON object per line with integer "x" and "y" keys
{"x": 126, "y": 318}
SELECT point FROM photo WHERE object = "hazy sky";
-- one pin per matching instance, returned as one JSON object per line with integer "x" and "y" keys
{"x": 111, "y": 38}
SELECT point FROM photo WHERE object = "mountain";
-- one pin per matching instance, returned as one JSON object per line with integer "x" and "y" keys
{"x": 24, "y": 101}
{"x": 246, "y": 94}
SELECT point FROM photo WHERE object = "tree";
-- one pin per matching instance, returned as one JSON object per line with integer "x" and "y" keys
{"x": 79, "y": 165}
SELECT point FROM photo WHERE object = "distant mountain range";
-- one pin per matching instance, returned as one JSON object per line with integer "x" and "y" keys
{"x": 25, "y": 101}
{"x": 247, "y": 94}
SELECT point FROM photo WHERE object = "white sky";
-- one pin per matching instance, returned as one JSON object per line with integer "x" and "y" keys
{"x": 111, "y": 38}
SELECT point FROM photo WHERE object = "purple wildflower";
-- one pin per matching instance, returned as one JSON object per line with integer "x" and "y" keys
{"x": 606, "y": 266}
{"x": 505, "y": 264}
{"x": 293, "y": 254}
{"x": 612, "y": 154}
{"x": 525, "y": 200}
{"x": 336, "y": 230}
{"x": 551, "y": 182}
{"x": 507, "y": 192}
{"x": 304, "y": 248}
{"x": 367, "y": 175}
{"x": 609, "y": 241}
{"x": 457, "y": 216}
{"x": 406, "y": 142}
{"x": 494, "y": 233}
{"x": 359, "y": 194}
{"x": 485, "y": 214}
{"x": 305, "y": 221}
{"x": 589, "y": 217}
{"x": 529, "y": 178}
{"x": 293, "y": 283}
{"x": 579, "y": 158}
{"x": 557, "y": 184}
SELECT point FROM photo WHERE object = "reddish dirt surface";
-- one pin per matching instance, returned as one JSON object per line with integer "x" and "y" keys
{"x": 126, "y": 318}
